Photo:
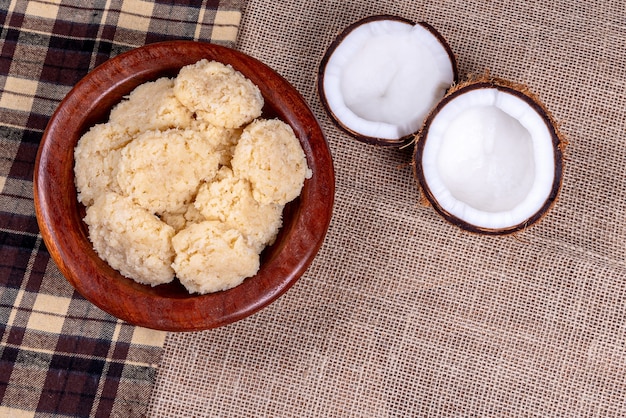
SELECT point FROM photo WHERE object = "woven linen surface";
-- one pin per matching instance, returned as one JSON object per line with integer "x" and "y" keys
{"x": 59, "y": 354}
{"x": 402, "y": 314}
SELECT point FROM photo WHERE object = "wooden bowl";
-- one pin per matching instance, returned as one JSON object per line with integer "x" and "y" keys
{"x": 170, "y": 307}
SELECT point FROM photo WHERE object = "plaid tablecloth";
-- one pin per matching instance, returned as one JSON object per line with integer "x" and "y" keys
{"x": 60, "y": 355}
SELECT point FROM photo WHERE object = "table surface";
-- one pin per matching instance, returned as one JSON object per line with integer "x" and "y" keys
{"x": 400, "y": 314}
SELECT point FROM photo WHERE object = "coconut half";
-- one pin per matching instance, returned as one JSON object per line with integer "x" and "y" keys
{"x": 381, "y": 77}
{"x": 489, "y": 157}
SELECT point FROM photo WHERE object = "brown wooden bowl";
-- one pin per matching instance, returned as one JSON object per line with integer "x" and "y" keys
{"x": 170, "y": 307}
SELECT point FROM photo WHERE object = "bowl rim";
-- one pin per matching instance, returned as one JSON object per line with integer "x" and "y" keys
{"x": 56, "y": 206}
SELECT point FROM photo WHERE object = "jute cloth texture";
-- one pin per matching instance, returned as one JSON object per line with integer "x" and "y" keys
{"x": 402, "y": 314}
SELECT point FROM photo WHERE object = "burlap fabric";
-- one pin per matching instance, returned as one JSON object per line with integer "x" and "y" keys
{"x": 59, "y": 354}
{"x": 403, "y": 315}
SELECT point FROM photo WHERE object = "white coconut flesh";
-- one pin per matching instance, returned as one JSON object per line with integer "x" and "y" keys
{"x": 385, "y": 76}
{"x": 489, "y": 159}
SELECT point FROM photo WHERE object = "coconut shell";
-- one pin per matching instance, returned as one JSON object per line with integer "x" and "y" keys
{"x": 331, "y": 49}
{"x": 521, "y": 91}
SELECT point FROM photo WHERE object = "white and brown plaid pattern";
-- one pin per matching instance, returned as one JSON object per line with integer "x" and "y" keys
{"x": 59, "y": 354}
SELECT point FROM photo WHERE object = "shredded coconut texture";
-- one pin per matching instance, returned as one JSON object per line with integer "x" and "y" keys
{"x": 161, "y": 171}
{"x": 152, "y": 106}
{"x": 211, "y": 257}
{"x": 222, "y": 140}
{"x": 229, "y": 200}
{"x": 97, "y": 155}
{"x": 184, "y": 181}
{"x": 131, "y": 239}
{"x": 219, "y": 94}
{"x": 270, "y": 157}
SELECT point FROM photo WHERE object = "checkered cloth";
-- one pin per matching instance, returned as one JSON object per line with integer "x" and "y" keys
{"x": 60, "y": 355}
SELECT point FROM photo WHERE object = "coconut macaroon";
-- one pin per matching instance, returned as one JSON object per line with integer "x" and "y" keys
{"x": 229, "y": 200}
{"x": 161, "y": 171}
{"x": 131, "y": 239}
{"x": 211, "y": 257}
{"x": 97, "y": 155}
{"x": 218, "y": 93}
{"x": 270, "y": 157}
{"x": 152, "y": 106}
